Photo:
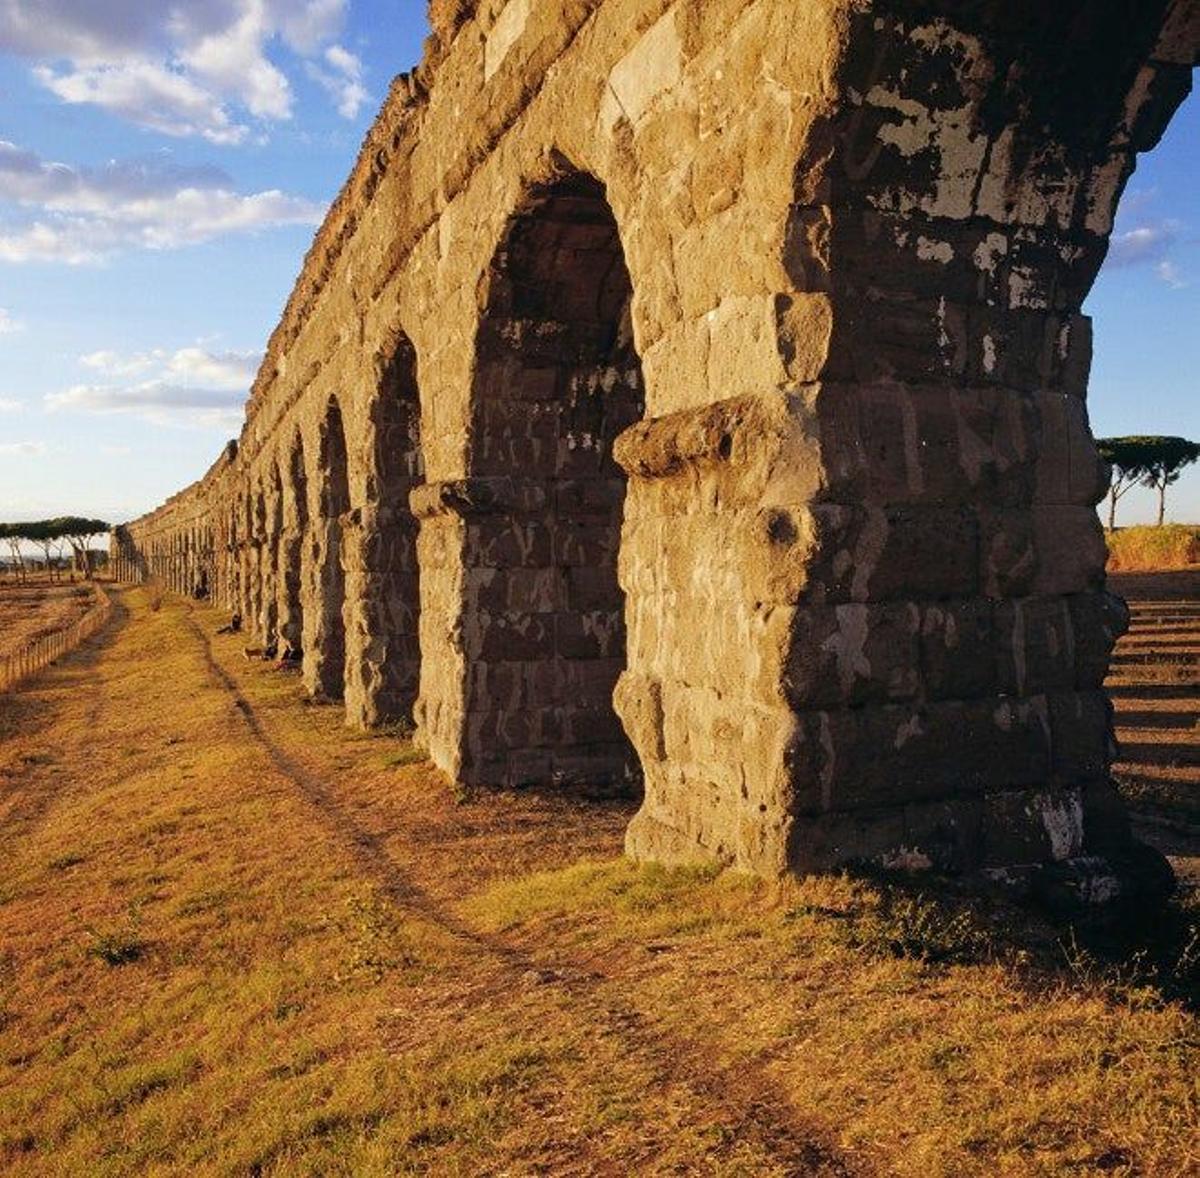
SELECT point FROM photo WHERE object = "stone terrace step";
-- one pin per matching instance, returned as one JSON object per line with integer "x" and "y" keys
{"x": 1157, "y": 658}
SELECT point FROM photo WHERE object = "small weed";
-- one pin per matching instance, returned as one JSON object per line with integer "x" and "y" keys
{"x": 8, "y": 978}
{"x": 137, "y": 1084}
{"x": 402, "y": 730}
{"x": 64, "y": 862}
{"x": 204, "y": 902}
{"x": 1139, "y": 966}
{"x": 376, "y": 940}
{"x": 463, "y": 794}
{"x": 117, "y": 946}
{"x": 919, "y": 928}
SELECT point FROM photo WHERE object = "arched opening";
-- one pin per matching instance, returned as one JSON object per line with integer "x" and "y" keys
{"x": 557, "y": 379}
{"x": 1142, "y": 388}
{"x": 389, "y": 649}
{"x": 258, "y": 561}
{"x": 295, "y": 529}
{"x": 326, "y": 670}
{"x": 272, "y": 573}
{"x": 245, "y": 554}
{"x": 233, "y": 559}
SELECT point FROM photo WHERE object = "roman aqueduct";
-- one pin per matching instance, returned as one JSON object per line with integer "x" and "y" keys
{"x": 693, "y": 393}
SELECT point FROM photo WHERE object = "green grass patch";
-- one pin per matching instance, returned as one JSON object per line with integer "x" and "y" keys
{"x": 680, "y": 897}
{"x": 406, "y": 755}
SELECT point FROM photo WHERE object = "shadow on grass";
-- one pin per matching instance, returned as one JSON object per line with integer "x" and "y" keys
{"x": 1132, "y": 953}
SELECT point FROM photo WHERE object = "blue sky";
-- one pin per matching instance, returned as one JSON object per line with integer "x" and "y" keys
{"x": 163, "y": 168}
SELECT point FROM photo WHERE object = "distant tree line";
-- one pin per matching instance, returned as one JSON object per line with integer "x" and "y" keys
{"x": 54, "y": 536}
{"x": 1154, "y": 462}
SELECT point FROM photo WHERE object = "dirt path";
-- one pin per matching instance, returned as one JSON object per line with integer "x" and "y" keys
{"x": 1155, "y": 685}
{"x": 744, "y": 1106}
{"x": 237, "y": 938}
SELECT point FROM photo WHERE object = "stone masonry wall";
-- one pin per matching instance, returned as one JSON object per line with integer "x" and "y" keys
{"x": 694, "y": 394}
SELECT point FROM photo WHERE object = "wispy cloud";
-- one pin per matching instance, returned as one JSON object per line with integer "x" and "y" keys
{"x": 9, "y": 325}
{"x": 8, "y": 405}
{"x": 195, "y": 365}
{"x": 22, "y": 449}
{"x": 1149, "y": 243}
{"x": 200, "y": 69}
{"x": 1144, "y": 243}
{"x": 343, "y": 81}
{"x": 84, "y": 215}
{"x": 189, "y": 386}
{"x": 1169, "y": 273}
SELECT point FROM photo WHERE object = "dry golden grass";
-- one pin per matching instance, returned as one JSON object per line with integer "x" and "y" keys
{"x": 39, "y": 606}
{"x": 237, "y": 938}
{"x": 1149, "y": 548}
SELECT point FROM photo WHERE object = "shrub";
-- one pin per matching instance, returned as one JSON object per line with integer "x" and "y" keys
{"x": 116, "y": 946}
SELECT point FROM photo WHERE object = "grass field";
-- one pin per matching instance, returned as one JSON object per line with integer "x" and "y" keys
{"x": 236, "y": 938}
{"x": 37, "y": 607}
{"x": 1149, "y": 548}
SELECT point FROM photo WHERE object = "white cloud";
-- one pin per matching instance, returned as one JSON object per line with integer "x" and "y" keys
{"x": 81, "y": 215}
{"x": 345, "y": 84}
{"x": 149, "y": 95}
{"x": 307, "y": 26}
{"x": 1148, "y": 244}
{"x": 197, "y": 69}
{"x": 22, "y": 449}
{"x": 80, "y": 29}
{"x": 8, "y": 405}
{"x": 189, "y": 386}
{"x": 216, "y": 370}
{"x": 9, "y": 325}
{"x": 115, "y": 364}
{"x": 156, "y": 401}
{"x": 231, "y": 61}
{"x": 1143, "y": 243}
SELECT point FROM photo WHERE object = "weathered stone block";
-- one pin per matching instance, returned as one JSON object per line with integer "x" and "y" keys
{"x": 1035, "y": 646}
{"x": 853, "y": 654}
{"x": 1097, "y": 621}
{"x": 1081, "y": 728}
{"x": 958, "y": 644}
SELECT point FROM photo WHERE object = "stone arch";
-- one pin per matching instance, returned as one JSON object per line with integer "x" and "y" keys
{"x": 557, "y": 378}
{"x": 325, "y": 625}
{"x": 383, "y": 655}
